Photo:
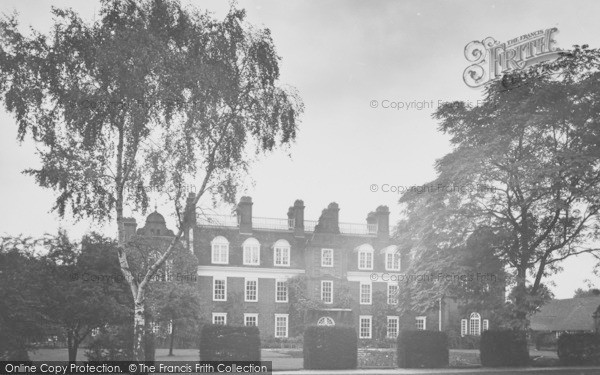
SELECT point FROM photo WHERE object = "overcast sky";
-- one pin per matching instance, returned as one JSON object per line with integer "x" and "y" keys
{"x": 341, "y": 56}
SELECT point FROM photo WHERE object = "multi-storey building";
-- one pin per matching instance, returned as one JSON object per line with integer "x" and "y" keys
{"x": 246, "y": 263}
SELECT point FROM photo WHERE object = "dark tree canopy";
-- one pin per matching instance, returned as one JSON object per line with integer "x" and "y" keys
{"x": 525, "y": 165}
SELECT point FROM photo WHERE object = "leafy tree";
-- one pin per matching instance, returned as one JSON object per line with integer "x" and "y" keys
{"x": 22, "y": 317}
{"x": 84, "y": 289}
{"x": 148, "y": 97}
{"x": 525, "y": 165}
{"x": 580, "y": 292}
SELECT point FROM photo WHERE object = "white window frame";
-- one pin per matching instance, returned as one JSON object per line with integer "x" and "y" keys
{"x": 368, "y": 251}
{"x": 392, "y": 300}
{"x": 464, "y": 327}
{"x": 223, "y": 315}
{"x": 287, "y": 323}
{"x": 360, "y": 293}
{"x": 250, "y": 315}
{"x": 475, "y": 324}
{"x": 250, "y": 246}
{"x": 422, "y": 319}
{"x": 286, "y": 291}
{"x": 395, "y": 319}
{"x": 330, "y": 282}
{"x": 485, "y": 325}
{"x": 215, "y": 246}
{"x": 284, "y": 247}
{"x": 246, "y": 282}
{"x": 392, "y": 253}
{"x": 215, "y": 279}
{"x": 368, "y": 318}
{"x": 323, "y": 258}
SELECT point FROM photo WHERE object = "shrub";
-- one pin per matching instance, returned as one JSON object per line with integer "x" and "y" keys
{"x": 456, "y": 341}
{"x": 114, "y": 343}
{"x": 504, "y": 349}
{"x": 229, "y": 343}
{"x": 417, "y": 349}
{"x": 579, "y": 349}
{"x": 330, "y": 347}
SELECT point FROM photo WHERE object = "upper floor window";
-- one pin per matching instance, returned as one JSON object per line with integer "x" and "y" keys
{"x": 327, "y": 291}
{"x": 326, "y": 257}
{"x": 281, "y": 253}
{"x": 219, "y": 289}
{"x": 392, "y": 293}
{"x": 365, "y": 257}
{"x": 281, "y": 291}
{"x": 251, "y": 290}
{"x": 392, "y": 259}
{"x": 251, "y": 252}
{"x": 365, "y": 294}
{"x": 220, "y": 250}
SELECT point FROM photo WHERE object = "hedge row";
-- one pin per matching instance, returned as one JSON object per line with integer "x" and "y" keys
{"x": 330, "y": 347}
{"x": 504, "y": 349}
{"x": 579, "y": 349}
{"x": 418, "y": 349}
{"x": 229, "y": 343}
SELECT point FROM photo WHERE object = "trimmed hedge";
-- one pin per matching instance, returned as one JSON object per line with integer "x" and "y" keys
{"x": 503, "y": 349}
{"x": 579, "y": 349}
{"x": 330, "y": 347}
{"x": 422, "y": 349}
{"x": 229, "y": 343}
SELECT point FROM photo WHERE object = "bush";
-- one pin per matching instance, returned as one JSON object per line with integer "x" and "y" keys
{"x": 418, "y": 349}
{"x": 115, "y": 343}
{"x": 229, "y": 343}
{"x": 456, "y": 341}
{"x": 504, "y": 349}
{"x": 579, "y": 349}
{"x": 330, "y": 347}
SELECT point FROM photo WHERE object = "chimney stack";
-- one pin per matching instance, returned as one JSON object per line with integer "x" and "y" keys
{"x": 382, "y": 213}
{"x": 329, "y": 221}
{"x": 296, "y": 213}
{"x": 129, "y": 228}
{"x": 244, "y": 214}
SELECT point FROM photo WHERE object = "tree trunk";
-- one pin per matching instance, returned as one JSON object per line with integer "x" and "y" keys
{"x": 172, "y": 338}
{"x": 139, "y": 331}
{"x": 72, "y": 345}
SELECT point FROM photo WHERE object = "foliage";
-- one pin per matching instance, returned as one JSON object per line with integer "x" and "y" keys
{"x": 592, "y": 292}
{"x": 524, "y": 168}
{"x": 229, "y": 343}
{"x": 148, "y": 97}
{"x": 300, "y": 302}
{"x": 418, "y": 349}
{"x": 115, "y": 343}
{"x": 330, "y": 347}
{"x": 380, "y": 310}
{"x": 22, "y": 318}
{"x": 507, "y": 348}
{"x": 456, "y": 341}
{"x": 579, "y": 349}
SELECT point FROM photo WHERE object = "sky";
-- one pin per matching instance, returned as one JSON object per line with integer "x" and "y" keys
{"x": 348, "y": 60}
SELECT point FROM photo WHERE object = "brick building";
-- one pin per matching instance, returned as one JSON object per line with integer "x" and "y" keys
{"x": 247, "y": 262}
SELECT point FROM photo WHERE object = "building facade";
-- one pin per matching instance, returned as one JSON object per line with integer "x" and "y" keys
{"x": 349, "y": 270}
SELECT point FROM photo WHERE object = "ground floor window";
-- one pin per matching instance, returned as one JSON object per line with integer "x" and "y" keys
{"x": 474, "y": 325}
{"x": 250, "y": 319}
{"x": 421, "y": 323}
{"x": 219, "y": 318}
{"x": 393, "y": 322}
{"x": 281, "y": 325}
{"x": 365, "y": 326}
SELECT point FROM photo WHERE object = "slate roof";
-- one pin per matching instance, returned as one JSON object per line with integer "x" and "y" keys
{"x": 572, "y": 314}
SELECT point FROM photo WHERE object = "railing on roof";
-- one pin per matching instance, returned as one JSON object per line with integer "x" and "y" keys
{"x": 218, "y": 220}
{"x": 272, "y": 223}
{"x": 283, "y": 224}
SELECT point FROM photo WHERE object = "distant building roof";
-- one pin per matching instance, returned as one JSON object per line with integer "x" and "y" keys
{"x": 573, "y": 314}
